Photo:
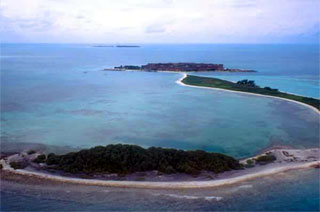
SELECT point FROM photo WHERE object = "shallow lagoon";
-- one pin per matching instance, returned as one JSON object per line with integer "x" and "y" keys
{"x": 47, "y": 98}
{"x": 59, "y": 95}
{"x": 150, "y": 109}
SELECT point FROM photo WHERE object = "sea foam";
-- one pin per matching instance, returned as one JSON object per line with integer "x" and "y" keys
{"x": 190, "y": 197}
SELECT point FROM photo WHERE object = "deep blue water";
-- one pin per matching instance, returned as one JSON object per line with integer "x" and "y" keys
{"x": 59, "y": 95}
{"x": 291, "y": 191}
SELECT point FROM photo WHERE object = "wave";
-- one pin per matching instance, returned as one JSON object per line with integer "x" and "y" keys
{"x": 213, "y": 198}
{"x": 242, "y": 187}
{"x": 188, "y": 184}
{"x": 190, "y": 197}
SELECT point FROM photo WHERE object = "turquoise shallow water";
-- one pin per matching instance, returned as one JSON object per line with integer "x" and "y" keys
{"x": 59, "y": 95}
{"x": 150, "y": 109}
{"x": 304, "y": 85}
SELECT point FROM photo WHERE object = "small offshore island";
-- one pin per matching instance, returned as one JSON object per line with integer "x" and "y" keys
{"x": 118, "y": 46}
{"x": 177, "y": 67}
{"x": 133, "y": 166}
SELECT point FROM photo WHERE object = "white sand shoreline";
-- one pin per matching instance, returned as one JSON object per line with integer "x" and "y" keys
{"x": 179, "y": 81}
{"x": 282, "y": 164}
{"x": 236, "y": 82}
{"x": 166, "y": 185}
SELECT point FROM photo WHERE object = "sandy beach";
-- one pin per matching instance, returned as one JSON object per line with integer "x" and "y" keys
{"x": 184, "y": 75}
{"x": 287, "y": 159}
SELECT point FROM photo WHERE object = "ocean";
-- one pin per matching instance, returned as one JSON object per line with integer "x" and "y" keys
{"x": 59, "y": 97}
{"x": 289, "y": 191}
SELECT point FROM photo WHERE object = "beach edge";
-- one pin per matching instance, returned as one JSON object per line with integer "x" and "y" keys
{"x": 184, "y": 75}
{"x": 265, "y": 170}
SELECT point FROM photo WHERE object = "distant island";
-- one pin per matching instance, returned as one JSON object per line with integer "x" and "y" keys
{"x": 247, "y": 86}
{"x": 127, "y": 46}
{"x": 178, "y": 67}
{"x": 103, "y": 46}
{"x": 119, "y": 46}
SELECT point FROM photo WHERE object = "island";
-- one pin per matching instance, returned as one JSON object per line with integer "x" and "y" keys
{"x": 103, "y": 46}
{"x": 127, "y": 46}
{"x": 118, "y": 46}
{"x": 178, "y": 67}
{"x": 123, "y": 165}
{"x": 247, "y": 86}
{"x": 126, "y": 159}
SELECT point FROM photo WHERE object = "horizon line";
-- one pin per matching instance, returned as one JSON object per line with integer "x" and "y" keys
{"x": 169, "y": 43}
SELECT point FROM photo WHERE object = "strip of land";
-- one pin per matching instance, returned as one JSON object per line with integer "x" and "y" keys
{"x": 258, "y": 166}
{"x": 178, "y": 67}
{"x": 214, "y": 83}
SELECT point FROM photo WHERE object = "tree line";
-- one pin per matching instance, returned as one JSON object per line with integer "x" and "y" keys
{"x": 125, "y": 159}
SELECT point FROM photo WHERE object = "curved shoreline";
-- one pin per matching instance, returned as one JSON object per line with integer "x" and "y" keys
{"x": 165, "y": 185}
{"x": 264, "y": 171}
{"x": 287, "y": 159}
{"x": 296, "y": 94}
{"x": 179, "y": 81}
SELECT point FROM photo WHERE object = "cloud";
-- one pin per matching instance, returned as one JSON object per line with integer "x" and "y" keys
{"x": 155, "y": 29}
{"x": 245, "y": 3}
{"x": 160, "y": 27}
{"x": 80, "y": 17}
{"x": 191, "y": 21}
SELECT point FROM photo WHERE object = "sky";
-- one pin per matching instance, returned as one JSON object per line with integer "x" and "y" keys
{"x": 159, "y": 21}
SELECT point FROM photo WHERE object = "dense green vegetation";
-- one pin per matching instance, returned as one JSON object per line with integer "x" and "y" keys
{"x": 264, "y": 159}
{"x": 247, "y": 86}
{"x": 129, "y": 67}
{"x": 246, "y": 82}
{"x": 40, "y": 159}
{"x": 124, "y": 159}
{"x": 30, "y": 152}
{"x": 249, "y": 164}
{"x": 18, "y": 165}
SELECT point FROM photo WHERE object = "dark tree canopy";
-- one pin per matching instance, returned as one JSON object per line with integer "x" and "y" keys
{"x": 124, "y": 159}
{"x": 248, "y": 86}
{"x": 246, "y": 82}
